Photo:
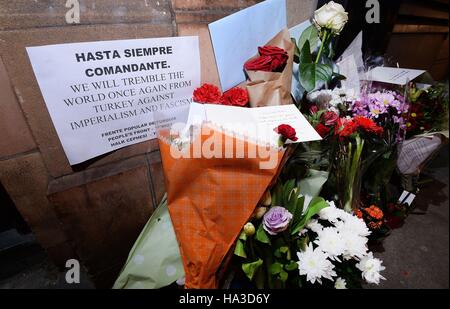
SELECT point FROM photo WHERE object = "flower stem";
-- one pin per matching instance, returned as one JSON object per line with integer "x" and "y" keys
{"x": 323, "y": 39}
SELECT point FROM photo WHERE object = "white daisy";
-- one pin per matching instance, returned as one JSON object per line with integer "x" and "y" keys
{"x": 314, "y": 264}
{"x": 330, "y": 213}
{"x": 371, "y": 268}
{"x": 340, "y": 284}
{"x": 330, "y": 242}
{"x": 355, "y": 246}
{"x": 353, "y": 224}
{"x": 314, "y": 226}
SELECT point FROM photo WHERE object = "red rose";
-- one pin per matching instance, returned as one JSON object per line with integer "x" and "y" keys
{"x": 269, "y": 50}
{"x": 207, "y": 93}
{"x": 235, "y": 96}
{"x": 329, "y": 118}
{"x": 322, "y": 129}
{"x": 279, "y": 57}
{"x": 271, "y": 59}
{"x": 368, "y": 125}
{"x": 262, "y": 63}
{"x": 287, "y": 132}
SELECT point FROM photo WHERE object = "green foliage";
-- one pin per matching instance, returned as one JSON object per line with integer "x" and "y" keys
{"x": 310, "y": 35}
{"x": 312, "y": 75}
{"x": 250, "y": 268}
{"x": 314, "y": 207}
{"x": 261, "y": 235}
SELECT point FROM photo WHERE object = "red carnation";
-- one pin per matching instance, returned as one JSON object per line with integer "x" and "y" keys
{"x": 235, "y": 96}
{"x": 207, "y": 93}
{"x": 329, "y": 118}
{"x": 368, "y": 125}
{"x": 345, "y": 127}
{"x": 287, "y": 132}
{"x": 322, "y": 129}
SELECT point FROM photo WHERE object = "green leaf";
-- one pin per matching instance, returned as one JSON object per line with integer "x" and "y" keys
{"x": 305, "y": 54}
{"x": 338, "y": 76}
{"x": 298, "y": 214}
{"x": 314, "y": 75}
{"x": 275, "y": 268}
{"x": 323, "y": 72}
{"x": 283, "y": 276}
{"x": 277, "y": 195}
{"x": 284, "y": 249}
{"x": 314, "y": 207}
{"x": 302, "y": 243}
{"x": 287, "y": 189}
{"x": 291, "y": 266}
{"x": 277, "y": 253}
{"x": 243, "y": 236}
{"x": 239, "y": 249}
{"x": 311, "y": 36}
{"x": 261, "y": 235}
{"x": 250, "y": 268}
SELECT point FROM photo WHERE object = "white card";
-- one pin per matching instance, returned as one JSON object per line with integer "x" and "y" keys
{"x": 407, "y": 197}
{"x": 390, "y": 75}
{"x": 257, "y": 123}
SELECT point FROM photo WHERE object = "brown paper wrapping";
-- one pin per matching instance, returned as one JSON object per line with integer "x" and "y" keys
{"x": 272, "y": 88}
{"x": 209, "y": 201}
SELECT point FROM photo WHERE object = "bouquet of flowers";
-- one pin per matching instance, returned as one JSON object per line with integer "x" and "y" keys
{"x": 270, "y": 72}
{"x": 292, "y": 242}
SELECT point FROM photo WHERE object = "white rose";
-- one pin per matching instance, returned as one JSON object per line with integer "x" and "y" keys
{"x": 331, "y": 16}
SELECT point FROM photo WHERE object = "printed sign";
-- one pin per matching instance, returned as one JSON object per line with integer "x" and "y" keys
{"x": 106, "y": 95}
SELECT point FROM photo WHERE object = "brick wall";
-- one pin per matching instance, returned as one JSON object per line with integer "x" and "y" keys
{"x": 95, "y": 210}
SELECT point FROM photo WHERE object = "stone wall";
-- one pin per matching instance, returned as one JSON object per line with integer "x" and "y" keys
{"x": 95, "y": 210}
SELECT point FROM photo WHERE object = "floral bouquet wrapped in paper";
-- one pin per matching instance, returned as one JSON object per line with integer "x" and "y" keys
{"x": 270, "y": 72}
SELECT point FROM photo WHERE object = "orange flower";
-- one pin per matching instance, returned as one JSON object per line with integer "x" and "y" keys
{"x": 375, "y": 212}
{"x": 358, "y": 213}
{"x": 374, "y": 225}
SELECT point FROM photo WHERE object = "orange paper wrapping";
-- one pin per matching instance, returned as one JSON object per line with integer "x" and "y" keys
{"x": 209, "y": 201}
{"x": 272, "y": 88}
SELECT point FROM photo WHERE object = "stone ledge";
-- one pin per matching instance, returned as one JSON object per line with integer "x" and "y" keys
{"x": 22, "y": 14}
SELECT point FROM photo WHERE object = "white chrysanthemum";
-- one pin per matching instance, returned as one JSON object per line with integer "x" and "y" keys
{"x": 371, "y": 268}
{"x": 330, "y": 242}
{"x": 355, "y": 246}
{"x": 314, "y": 226}
{"x": 314, "y": 264}
{"x": 340, "y": 284}
{"x": 331, "y": 213}
{"x": 353, "y": 224}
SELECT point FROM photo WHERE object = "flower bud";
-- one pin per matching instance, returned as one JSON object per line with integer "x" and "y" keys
{"x": 266, "y": 200}
{"x": 249, "y": 229}
{"x": 259, "y": 212}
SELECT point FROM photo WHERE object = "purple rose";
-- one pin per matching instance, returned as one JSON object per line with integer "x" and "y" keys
{"x": 276, "y": 220}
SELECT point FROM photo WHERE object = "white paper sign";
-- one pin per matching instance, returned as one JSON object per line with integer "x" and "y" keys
{"x": 235, "y": 38}
{"x": 396, "y": 76}
{"x": 106, "y": 95}
{"x": 257, "y": 123}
